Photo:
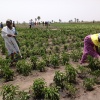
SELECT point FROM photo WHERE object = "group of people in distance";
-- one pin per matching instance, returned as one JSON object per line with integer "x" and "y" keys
{"x": 91, "y": 43}
{"x": 31, "y": 23}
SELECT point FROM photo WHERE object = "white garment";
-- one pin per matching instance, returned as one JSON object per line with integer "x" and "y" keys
{"x": 10, "y": 42}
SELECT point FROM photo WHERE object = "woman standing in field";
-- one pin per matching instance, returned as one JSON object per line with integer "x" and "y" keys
{"x": 91, "y": 44}
{"x": 8, "y": 34}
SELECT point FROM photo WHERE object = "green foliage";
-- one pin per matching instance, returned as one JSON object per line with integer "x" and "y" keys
{"x": 65, "y": 47}
{"x": 96, "y": 75}
{"x": 94, "y": 64}
{"x": 4, "y": 62}
{"x": 89, "y": 83}
{"x": 9, "y": 92}
{"x": 34, "y": 60}
{"x": 51, "y": 93}
{"x": 75, "y": 55}
{"x": 47, "y": 60}
{"x": 41, "y": 66}
{"x": 82, "y": 71}
{"x": 54, "y": 47}
{"x": 70, "y": 73}
{"x": 71, "y": 89}
{"x": 54, "y": 60}
{"x": 23, "y": 67}
{"x": 59, "y": 79}
{"x": 3, "y": 49}
{"x": 57, "y": 49}
{"x": 65, "y": 58}
{"x": 38, "y": 88}
{"x": 23, "y": 95}
{"x": 8, "y": 74}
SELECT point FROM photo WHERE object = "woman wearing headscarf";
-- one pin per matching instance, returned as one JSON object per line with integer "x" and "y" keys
{"x": 91, "y": 44}
{"x": 8, "y": 34}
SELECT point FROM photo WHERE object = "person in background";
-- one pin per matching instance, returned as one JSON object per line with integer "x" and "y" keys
{"x": 1, "y": 25}
{"x": 8, "y": 34}
{"x": 43, "y": 23}
{"x": 13, "y": 24}
{"x": 91, "y": 44}
{"x": 30, "y": 24}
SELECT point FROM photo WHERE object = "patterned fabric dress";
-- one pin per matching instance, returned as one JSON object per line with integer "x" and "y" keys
{"x": 88, "y": 49}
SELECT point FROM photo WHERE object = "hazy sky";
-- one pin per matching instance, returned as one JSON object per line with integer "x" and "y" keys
{"x": 24, "y": 10}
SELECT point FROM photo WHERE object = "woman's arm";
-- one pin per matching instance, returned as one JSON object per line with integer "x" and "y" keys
{"x": 3, "y": 34}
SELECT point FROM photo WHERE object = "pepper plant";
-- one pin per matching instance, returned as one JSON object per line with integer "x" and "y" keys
{"x": 38, "y": 88}
{"x": 8, "y": 74}
{"x": 23, "y": 67}
{"x": 9, "y": 92}
{"x": 59, "y": 79}
{"x": 41, "y": 65}
{"x": 71, "y": 73}
{"x": 51, "y": 93}
{"x": 88, "y": 83}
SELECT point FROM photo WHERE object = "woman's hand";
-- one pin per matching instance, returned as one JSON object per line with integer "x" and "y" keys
{"x": 9, "y": 35}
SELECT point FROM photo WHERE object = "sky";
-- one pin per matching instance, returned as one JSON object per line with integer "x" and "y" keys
{"x": 24, "y": 10}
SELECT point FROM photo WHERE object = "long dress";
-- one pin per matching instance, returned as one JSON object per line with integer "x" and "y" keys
{"x": 88, "y": 49}
{"x": 10, "y": 42}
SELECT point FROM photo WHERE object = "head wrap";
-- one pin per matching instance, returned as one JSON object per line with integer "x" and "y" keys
{"x": 9, "y": 20}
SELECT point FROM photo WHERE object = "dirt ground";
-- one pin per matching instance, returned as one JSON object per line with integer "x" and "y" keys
{"x": 24, "y": 83}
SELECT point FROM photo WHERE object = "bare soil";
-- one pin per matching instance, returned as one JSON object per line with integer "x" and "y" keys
{"x": 25, "y": 83}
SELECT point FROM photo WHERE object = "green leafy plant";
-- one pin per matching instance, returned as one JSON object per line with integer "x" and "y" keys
{"x": 57, "y": 49}
{"x": 4, "y": 62}
{"x": 54, "y": 60}
{"x": 96, "y": 75}
{"x": 59, "y": 79}
{"x": 41, "y": 66}
{"x": 75, "y": 55}
{"x": 65, "y": 58}
{"x": 47, "y": 60}
{"x": 23, "y": 67}
{"x": 51, "y": 93}
{"x": 9, "y": 92}
{"x": 89, "y": 83}
{"x": 82, "y": 71}
{"x": 34, "y": 62}
{"x": 94, "y": 64}
{"x": 3, "y": 49}
{"x": 23, "y": 95}
{"x": 71, "y": 89}
{"x": 42, "y": 51}
{"x": 38, "y": 88}
{"x": 70, "y": 73}
{"x": 8, "y": 74}
{"x": 65, "y": 47}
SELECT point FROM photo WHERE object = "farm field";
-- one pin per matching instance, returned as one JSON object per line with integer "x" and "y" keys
{"x": 50, "y": 68}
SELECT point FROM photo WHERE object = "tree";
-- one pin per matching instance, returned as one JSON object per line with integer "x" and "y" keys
{"x": 77, "y": 20}
{"x": 38, "y": 18}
